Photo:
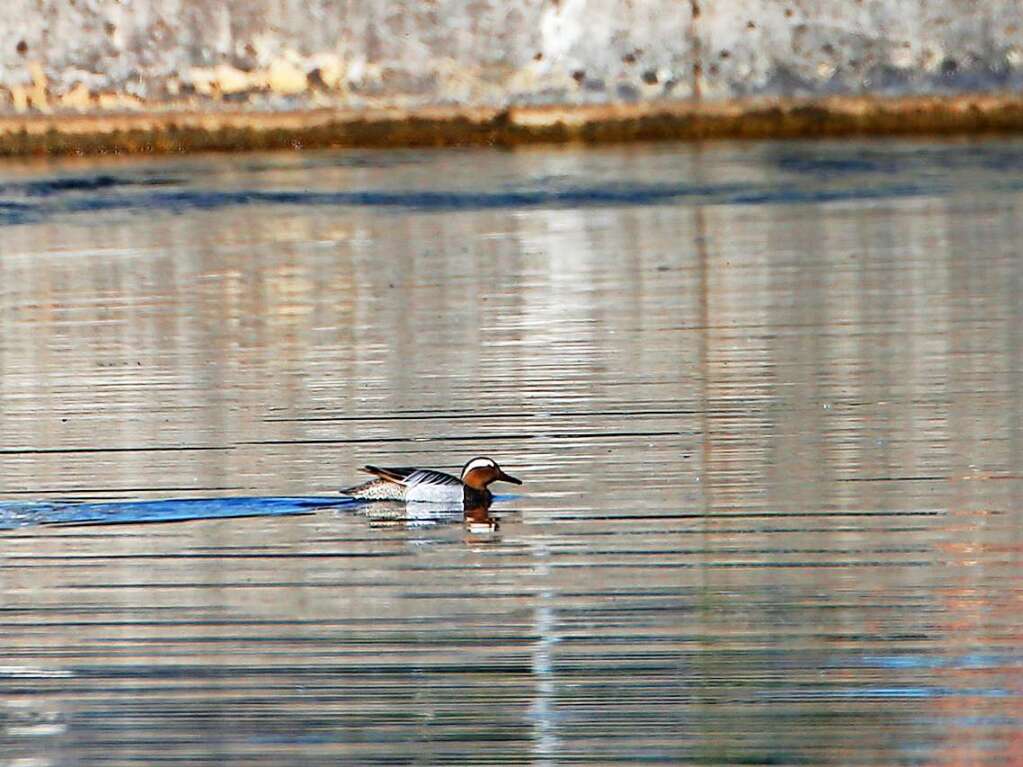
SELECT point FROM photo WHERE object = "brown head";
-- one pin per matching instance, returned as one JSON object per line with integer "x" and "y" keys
{"x": 480, "y": 472}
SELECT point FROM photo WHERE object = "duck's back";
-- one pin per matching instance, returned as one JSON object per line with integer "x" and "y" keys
{"x": 422, "y": 485}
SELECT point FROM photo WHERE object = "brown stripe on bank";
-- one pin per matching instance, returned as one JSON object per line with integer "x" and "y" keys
{"x": 167, "y": 132}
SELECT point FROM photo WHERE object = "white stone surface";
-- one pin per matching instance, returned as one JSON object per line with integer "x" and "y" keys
{"x": 290, "y": 53}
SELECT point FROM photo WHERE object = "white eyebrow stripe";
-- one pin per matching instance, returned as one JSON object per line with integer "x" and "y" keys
{"x": 478, "y": 463}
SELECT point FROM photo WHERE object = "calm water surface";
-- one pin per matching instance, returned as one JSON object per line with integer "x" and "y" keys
{"x": 765, "y": 399}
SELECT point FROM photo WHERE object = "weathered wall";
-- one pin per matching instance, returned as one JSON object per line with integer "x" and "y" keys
{"x": 117, "y": 55}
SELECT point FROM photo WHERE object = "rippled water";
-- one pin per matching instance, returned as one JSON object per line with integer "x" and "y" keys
{"x": 765, "y": 399}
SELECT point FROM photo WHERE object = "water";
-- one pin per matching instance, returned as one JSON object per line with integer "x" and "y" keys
{"x": 765, "y": 399}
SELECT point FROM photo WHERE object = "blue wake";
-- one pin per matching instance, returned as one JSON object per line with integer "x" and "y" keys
{"x": 15, "y": 514}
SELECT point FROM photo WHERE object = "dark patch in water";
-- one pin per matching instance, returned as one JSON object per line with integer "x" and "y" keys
{"x": 829, "y": 162}
{"x": 814, "y": 174}
{"x": 622, "y": 195}
{"x": 51, "y": 187}
{"x": 792, "y": 195}
{"x": 368, "y": 159}
{"x": 808, "y": 163}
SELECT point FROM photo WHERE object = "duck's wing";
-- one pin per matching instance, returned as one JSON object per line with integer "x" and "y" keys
{"x": 433, "y": 478}
{"x": 410, "y": 477}
{"x": 396, "y": 475}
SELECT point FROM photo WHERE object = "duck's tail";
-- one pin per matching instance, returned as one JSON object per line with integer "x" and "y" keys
{"x": 376, "y": 490}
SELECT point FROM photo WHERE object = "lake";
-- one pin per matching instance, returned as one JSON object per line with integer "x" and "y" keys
{"x": 765, "y": 399}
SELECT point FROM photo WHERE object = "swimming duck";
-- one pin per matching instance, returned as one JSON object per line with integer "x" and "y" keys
{"x": 427, "y": 485}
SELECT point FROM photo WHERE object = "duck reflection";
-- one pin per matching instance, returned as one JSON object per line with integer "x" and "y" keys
{"x": 479, "y": 519}
{"x": 474, "y": 515}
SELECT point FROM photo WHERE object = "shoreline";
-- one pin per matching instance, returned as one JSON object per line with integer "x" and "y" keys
{"x": 167, "y": 132}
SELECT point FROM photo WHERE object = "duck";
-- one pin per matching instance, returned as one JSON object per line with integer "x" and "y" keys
{"x": 470, "y": 488}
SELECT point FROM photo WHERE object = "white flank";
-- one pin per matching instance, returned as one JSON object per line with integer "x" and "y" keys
{"x": 426, "y": 492}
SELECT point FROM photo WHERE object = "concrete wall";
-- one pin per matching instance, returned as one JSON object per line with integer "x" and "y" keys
{"x": 118, "y": 55}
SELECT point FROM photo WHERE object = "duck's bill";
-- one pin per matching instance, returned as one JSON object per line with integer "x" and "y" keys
{"x": 510, "y": 478}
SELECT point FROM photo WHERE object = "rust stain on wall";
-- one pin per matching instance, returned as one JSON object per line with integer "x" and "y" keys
{"x": 696, "y": 49}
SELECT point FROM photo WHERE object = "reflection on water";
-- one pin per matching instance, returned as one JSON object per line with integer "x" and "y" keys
{"x": 765, "y": 400}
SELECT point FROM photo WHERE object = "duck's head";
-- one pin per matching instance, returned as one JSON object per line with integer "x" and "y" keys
{"x": 480, "y": 472}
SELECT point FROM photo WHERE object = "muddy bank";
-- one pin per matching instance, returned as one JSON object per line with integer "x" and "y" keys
{"x": 452, "y": 126}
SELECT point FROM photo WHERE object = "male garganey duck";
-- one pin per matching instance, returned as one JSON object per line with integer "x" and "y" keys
{"x": 429, "y": 486}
